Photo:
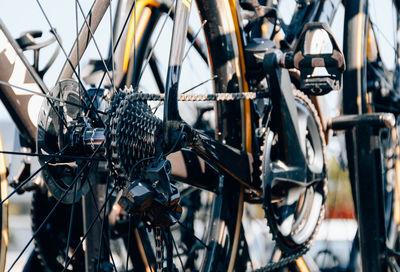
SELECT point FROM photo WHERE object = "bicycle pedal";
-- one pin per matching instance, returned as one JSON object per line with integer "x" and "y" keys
{"x": 318, "y": 58}
{"x": 377, "y": 120}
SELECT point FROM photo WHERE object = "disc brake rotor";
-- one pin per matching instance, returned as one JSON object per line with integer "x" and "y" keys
{"x": 56, "y": 123}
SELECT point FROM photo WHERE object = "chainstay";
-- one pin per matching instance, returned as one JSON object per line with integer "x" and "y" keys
{"x": 199, "y": 97}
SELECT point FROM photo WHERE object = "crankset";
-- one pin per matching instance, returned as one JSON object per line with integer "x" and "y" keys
{"x": 295, "y": 195}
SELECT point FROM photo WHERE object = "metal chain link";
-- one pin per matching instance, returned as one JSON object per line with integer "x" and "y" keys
{"x": 282, "y": 262}
{"x": 198, "y": 97}
{"x": 159, "y": 249}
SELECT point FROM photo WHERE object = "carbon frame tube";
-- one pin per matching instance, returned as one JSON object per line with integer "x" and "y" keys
{"x": 16, "y": 70}
{"x": 178, "y": 42}
{"x": 94, "y": 18}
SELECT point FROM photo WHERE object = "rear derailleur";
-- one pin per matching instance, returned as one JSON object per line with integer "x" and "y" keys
{"x": 154, "y": 196}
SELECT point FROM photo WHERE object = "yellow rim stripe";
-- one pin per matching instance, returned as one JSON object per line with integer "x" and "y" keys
{"x": 131, "y": 30}
{"x": 142, "y": 252}
{"x": 301, "y": 264}
{"x": 232, "y": 4}
{"x": 396, "y": 202}
{"x": 187, "y": 3}
{"x": 4, "y": 221}
{"x": 237, "y": 231}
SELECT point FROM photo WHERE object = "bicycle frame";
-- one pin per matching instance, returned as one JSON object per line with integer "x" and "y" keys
{"x": 231, "y": 158}
{"x": 208, "y": 148}
{"x": 16, "y": 70}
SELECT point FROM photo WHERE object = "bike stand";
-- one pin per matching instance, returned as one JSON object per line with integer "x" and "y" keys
{"x": 368, "y": 183}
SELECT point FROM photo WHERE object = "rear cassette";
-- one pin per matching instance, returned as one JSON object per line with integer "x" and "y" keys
{"x": 131, "y": 135}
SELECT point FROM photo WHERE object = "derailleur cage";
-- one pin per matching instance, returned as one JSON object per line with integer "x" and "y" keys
{"x": 154, "y": 196}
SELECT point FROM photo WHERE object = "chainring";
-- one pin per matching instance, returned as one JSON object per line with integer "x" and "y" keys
{"x": 294, "y": 213}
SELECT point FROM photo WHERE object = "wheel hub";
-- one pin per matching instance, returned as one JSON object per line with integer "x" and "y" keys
{"x": 68, "y": 133}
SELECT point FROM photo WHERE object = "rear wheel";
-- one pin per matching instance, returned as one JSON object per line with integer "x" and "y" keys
{"x": 78, "y": 206}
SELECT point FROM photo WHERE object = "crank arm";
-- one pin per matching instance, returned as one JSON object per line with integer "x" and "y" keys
{"x": 284, "y": 112}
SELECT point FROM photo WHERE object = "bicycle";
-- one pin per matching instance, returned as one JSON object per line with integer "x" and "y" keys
{"x": 377, "y": 256}
{"x": 372, "y": 178}
{"x": 369, "y": 86}
{"x": 71, "y": 133}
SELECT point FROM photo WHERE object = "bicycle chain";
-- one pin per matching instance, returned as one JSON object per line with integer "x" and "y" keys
{"x": 199, "y": 97}
{"x": 159, "y": 249}
{"x": 126, "y": 128}
{"x": 131, "y": 128}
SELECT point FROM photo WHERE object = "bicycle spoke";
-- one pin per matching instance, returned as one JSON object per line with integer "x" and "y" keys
{"x": 188, "y": 90}
{"x": 200, "y": 84}
{"x": 112, "y": 46}
{"x": 176, "y": 249}
{"x": 90, "y": 227}
{"x": 97, "y": 210}
{"x": 47, "y": 96}
{"x": 94, "y": 41}
{"x": 194, "y": 40}
{"x": 51, "y": 156}
{"x": 134, "y": 38}
{"x": 61, "y": 46}
{"x": 49, "y": 215}
{"x": 194, "y": 236}
{"x": 156, "y": 73}
{"x": 113, "y": 49}
{"x": 67, "y": 58}
{"x": 39, "y": 94}
{"x": 77, "y": 45}
{"x": 16, "y": 189}
{"x": 71, "y": 219}
{"x": 102, "y": 235}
